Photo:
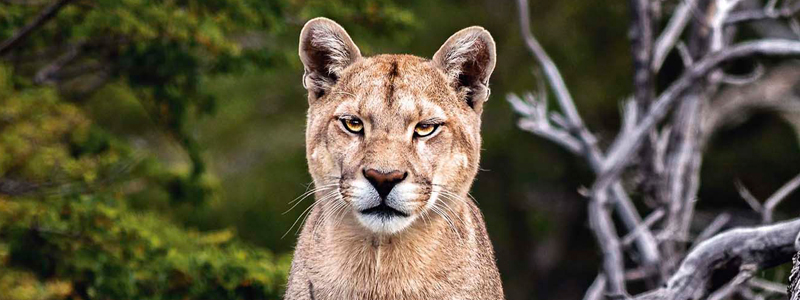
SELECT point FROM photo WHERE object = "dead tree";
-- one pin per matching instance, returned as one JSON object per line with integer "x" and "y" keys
{"x": 661, "y": 145}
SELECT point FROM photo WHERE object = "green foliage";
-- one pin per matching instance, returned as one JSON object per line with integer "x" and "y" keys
{"x": 47, "y": 143}
{"x": 94, "y": 248}
{"x": 55, "y": 244}
{"x": 94, "y": 196}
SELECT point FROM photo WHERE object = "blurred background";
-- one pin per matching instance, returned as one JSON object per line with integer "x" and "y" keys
{"x": 149, "y": 149}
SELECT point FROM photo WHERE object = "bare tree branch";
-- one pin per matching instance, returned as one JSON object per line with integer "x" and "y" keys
{"x": 641, "y": 34}
{"x": 648, "y": 222}
{"x": 624, "y": 146}
{"x": 712, "y": 229}
{"x": 668, "y": 39}
{"x": 674, "y": 162}
{"x": 597, "y": 290}
{"x": 778, "y": 197}
{"x": 608, "y": 240}
{"x": 625, "y": 208}
{"x": 745, "y": 274}
{"x": 748, "y": 197}
{"x": 766, "y": 285}
{"x": 762, "y": 247}
{"x": 535, "y": 120}
{"x": 772, "y": 92}
{"x": 762, "y": 14}
{"x": 47, "y": 14}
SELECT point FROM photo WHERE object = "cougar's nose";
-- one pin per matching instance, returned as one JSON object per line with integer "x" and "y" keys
{"x": 384, "y": 182}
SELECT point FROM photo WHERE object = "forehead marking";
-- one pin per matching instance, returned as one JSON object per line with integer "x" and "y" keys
{"x": 392, "y": 75}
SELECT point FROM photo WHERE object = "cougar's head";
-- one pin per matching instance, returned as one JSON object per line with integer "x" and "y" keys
{"x": 391, "y": 138}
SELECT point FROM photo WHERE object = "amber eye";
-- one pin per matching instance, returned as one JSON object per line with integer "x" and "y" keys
{"x": 423, "y": 130}
{"x": 353, "y": 125}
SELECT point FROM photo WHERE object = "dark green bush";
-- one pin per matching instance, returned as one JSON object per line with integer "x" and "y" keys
{"x": 92, "y": 247}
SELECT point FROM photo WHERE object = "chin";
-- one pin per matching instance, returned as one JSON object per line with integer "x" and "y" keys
{"x": 384, "y": 224}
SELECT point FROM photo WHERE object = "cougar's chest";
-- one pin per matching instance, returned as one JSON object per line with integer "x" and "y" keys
{"x": 384, "y": 269}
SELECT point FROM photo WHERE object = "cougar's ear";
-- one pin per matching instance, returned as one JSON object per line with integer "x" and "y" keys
{"x": 468, "y": 58}
{"x": 325, "y": 50}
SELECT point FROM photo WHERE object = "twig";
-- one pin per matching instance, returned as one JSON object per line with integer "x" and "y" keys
{"x": 715, "y": 226}
{"x": 778, "y": 197}
{"x": 535, "y": 121}
{"x": 748, "y": 197}
{"x": 767, "y": 285}
{"x": 668, "y": 39}
{"x": 762, "y": 14}
{"x": 749, "y": 294}
{"x": 721, "y": 12}
{"x": 597, "y": 290}
{"x": 745, "y": 273}
{"x": 47, "y": 14}
{"x": 648, "y": 222}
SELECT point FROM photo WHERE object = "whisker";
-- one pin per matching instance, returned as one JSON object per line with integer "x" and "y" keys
{"x": 443, "y": 214}
{"x": 301, "y": 200}
{"x": 307, "y": 212}
{"x": 447, "y": 206}
{"x": 315, "y": 189}
{"x": 308, "y": 209}
{"x": 338, "y": 205}
{"x": 342, "y": 214}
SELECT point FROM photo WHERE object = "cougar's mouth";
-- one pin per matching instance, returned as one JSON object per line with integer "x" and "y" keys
{"x": 383, "y": 211}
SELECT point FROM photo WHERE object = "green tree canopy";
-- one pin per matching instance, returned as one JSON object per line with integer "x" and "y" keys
{"x": 67, "y": 228}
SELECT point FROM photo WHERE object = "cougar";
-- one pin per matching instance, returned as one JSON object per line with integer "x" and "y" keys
{"x": 393, "y": 144}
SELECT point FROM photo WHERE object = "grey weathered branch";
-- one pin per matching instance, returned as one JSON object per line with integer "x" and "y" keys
{"x": 47, "y": 14}
{"x": 625, "y": 208}
{"x": 675, "y": 159}
{"x": 746, "y": 272}
{"x": 608, "y": 240}
{"x": 648, "y": 222}
{"x": 669, "y": 38}
{"x": 762, "y": 247}
{"x": 712, "y": 229}
{"x": 775, "y": 91}
{"x": 641, "y": 34}
{"x": 597, "y": 290}
{"x": 624, "y": 146}
{"x": 766, "y": 285}
{"x": 778, "y": 197}
{"x": 762, "y": 14}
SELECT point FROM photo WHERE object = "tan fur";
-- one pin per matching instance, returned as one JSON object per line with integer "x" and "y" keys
{"x": 444, "y": 252}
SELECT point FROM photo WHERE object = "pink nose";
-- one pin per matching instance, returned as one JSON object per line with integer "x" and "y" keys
{"x": 384, "y": 182}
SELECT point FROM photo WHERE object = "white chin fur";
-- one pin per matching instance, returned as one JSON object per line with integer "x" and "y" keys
{"x": 390, "y": 225}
